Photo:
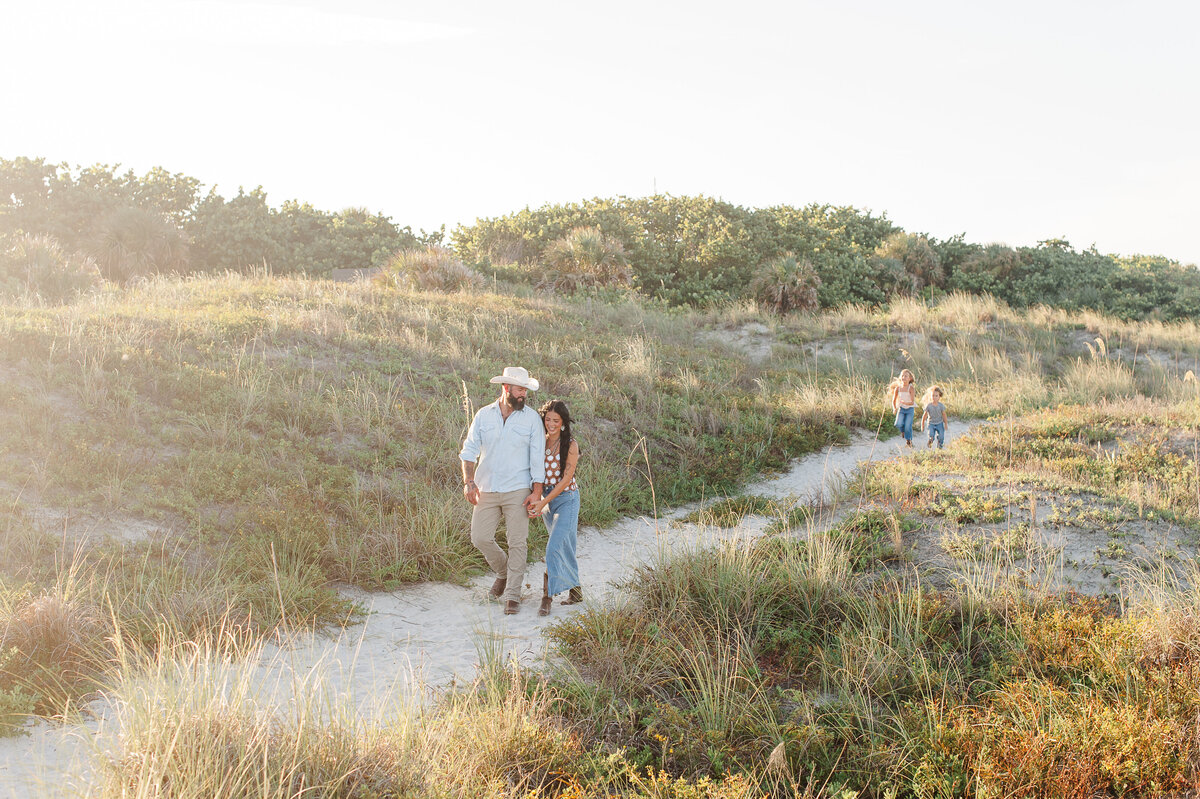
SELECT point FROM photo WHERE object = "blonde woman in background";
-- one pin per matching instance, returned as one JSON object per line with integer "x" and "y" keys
{"x": 903, "y": 394}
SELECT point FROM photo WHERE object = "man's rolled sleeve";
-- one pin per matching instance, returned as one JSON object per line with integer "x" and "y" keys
{"x": 537, "y": 459}
{"x": 471, "y": 445}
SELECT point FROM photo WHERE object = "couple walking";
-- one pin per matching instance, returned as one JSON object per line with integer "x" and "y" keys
{"x": 521, "y": 463}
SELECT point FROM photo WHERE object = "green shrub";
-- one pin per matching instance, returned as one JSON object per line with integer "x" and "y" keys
{"x": 38, "y": 264}
{"x": 986, "y": 269}
{"x": 690, "y": 250}
{"x": 872, "y": 535}
{"x": 849, "y": 279}
{"x": 245, "y": 231}
{"x": 700, "y": 250}
{"x": 95, "y": 209}
{"x": 586, "y": 258}
{"x": 16, "y": 705}
{"x": 134, "y": 242}
{"x": 786, "y": 284}
{"x": 236, "y": 233}
{"x": 1152, "y": 286}
{"x": 730, "y": 511}
{"x": 430, "y": 268}
{"x": 1054, "y": 274}
{"x": 37, "y": 197}
{"x": 912, "y": 261}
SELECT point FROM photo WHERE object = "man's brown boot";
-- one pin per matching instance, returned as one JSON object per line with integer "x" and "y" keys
{"x": 511, "y": 607}
{"x": 499, "y": 586}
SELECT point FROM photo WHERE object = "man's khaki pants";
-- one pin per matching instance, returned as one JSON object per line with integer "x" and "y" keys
{"x": 484, "y": 521}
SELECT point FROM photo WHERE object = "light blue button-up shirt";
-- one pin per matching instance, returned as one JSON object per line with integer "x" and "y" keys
{"x": 509, "y": 453}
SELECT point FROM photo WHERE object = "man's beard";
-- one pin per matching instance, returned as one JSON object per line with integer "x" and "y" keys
{"x": 516, "y": 403}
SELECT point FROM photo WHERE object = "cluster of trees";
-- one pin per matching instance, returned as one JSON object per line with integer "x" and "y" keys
{"x": 1054, "y": 273}
{"x": 121, "y": 225}
{"x": 697, "y": 250}
{"x": 62, "y": 230}
{"x": 687, "y": 250}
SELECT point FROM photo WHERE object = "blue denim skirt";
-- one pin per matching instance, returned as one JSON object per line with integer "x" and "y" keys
{"x": 562, "y": 520}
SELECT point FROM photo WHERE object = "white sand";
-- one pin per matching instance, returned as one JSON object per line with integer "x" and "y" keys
{"x": 428, "y": 634}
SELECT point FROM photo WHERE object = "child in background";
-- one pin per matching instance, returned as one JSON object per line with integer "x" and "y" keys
{"x": 903, "y": 394}
{"x": 935, "y": 419}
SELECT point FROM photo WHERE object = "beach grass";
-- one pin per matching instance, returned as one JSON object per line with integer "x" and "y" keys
{"x": 191, "y": 466}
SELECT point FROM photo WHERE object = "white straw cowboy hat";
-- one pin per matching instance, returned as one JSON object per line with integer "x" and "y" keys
{"x": 517, "y": 376}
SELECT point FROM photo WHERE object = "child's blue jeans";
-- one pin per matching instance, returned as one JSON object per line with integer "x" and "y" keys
{"x": 938, "y": 431}
{"x": 904, "y": 422}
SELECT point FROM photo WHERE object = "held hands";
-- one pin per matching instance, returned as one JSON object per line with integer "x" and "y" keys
{"x": 471, "y": 492}
{"x": 535, "y": 505}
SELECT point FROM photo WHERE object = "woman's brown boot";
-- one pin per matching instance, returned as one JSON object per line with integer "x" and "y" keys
{"x": 544, "y": 610}
{"x": 574, "y": 596}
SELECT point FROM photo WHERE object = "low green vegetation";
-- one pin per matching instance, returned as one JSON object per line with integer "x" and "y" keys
{"x": 730, "y": 511}
{"x": 793, "y": 667}
{"x": 809, "y": 671}
{"x": 1104, "y": 465}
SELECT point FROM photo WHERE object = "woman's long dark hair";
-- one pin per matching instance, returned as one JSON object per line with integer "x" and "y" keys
{"x": 564, "y": 440}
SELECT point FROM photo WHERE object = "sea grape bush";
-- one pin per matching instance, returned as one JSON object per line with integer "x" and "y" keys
{"x": 1055, "y": 274}
{"x": 699, "y": 250}
{"x": 160, "y": 222}
{"x": 693, "y": 250}
{"x": 687, "y": 250}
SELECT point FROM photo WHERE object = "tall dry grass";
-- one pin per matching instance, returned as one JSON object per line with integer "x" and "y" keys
{"x": 203, "y": 721}
{"x": 280, "y": 426}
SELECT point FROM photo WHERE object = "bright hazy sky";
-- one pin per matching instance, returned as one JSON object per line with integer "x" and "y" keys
{"x": 1010, "y": 122}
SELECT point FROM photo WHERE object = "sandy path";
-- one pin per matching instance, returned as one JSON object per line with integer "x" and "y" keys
{"x": 430, "y": 633}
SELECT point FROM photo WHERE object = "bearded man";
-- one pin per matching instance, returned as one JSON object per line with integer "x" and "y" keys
{"x": 503, "y": 470}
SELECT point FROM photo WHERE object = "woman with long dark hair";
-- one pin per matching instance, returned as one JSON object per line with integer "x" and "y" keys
{"x": 560, "y": 504}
